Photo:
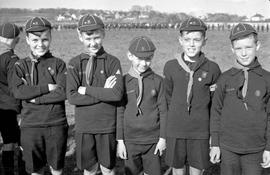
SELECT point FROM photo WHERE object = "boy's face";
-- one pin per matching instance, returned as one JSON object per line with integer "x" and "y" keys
{"x": 39, "y": 42}
{"x": 192, "y": 42}
{"x": 245, "y": 50}
{"x": 92, "y": 42}
{"x": 140, "y": 65}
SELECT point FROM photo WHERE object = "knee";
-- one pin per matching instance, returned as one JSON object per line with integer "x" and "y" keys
{"x": 92, "y": 170}
{"x": 106, "y": 171}
{"x": 178, "y": 171}
{"x": 56, "y": 172}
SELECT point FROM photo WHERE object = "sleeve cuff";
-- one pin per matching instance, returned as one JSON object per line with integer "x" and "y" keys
{"x": 44, "y": 89}
{"x": 214, "y": 139}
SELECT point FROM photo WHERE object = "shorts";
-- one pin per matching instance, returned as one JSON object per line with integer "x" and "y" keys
{"x": 46, "y": 145}
{"x": 194, "y": 152}
{"x": 142, "y": 158}
{"x": 235, "y": 164}
{"x": 95, "y": 148}
{"x": 9, "y": 127}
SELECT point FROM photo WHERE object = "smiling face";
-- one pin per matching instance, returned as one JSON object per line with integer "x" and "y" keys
{"x": 245, "y": 49}
{"x": 92, "y": 41}
{"x": 39, "y": 42}
{"x": 138, "y": 64}
{"x": 192, "y": 43}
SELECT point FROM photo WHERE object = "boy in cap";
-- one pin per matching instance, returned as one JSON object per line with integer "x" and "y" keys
{"x": 94, "y": 85}
{"x": 240, "y": 123}
{"x": 141, "y": 117}
{"x": 40, "y": 82}
{"x": 9, "y": 106}
{"x": 189, "y": 80}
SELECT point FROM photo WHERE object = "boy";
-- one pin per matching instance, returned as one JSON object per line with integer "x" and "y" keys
{"x": 94, "y": 85}
{"x": 9, "y": 106}
{"x": 240, "y": 124}
{"x": 189, "y": 81}
{"x": 141, "y": 118}
{"x": 40, "y": 82}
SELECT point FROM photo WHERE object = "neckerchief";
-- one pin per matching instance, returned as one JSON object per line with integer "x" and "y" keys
{"x": 191, "y": 71}
{"x": 89, "y": 67}
{"x": 245, "y": 70}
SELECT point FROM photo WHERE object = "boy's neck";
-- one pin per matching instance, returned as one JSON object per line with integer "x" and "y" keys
{"x": 191, "y": 59}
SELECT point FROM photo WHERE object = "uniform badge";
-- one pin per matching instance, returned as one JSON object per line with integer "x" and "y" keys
{"x": 199, "y": 79}
{"x": 204, "y": 74}
{"x": 153, "y": 92}
{"x": 213, "y": 87}
{"x": 257, "y": 93}
{"x": 51, "y": 70}
{"x": 102, "y": 71}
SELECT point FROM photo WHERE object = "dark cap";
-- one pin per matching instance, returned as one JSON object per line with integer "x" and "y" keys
{"x": 37, "y": 24}
{"x": 193, "y": 24}
{"x": 9, "y": 30}
{"x": 90, "y": 22}
{"x": 241, "y": 30}
{"x": 142, "y": 47}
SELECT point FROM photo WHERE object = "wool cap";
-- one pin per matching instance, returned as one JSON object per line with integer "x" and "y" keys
{"x": 142, "y": 47}
{"x": 37, "y": 24}
{"x": 193, "y": 24}
{"x": 90, "y": 22}
{"x": 9, "y": 30}
{"x": 240, "y": 30}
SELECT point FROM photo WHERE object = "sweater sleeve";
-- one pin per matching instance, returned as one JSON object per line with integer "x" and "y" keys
{"x": 216, "y": 109}
{"x": 120, "y": 119}
{"x": 21, "y": 89}
{"x": 216, "y": 74}
{"x": 109, "y": 94}
{"x": 162, "y": 108}
{"x": 267, "y": 147}
{"x": 168, "y": 84}
{"x": 58, "y": 95}
{"x": 73, "y": 83}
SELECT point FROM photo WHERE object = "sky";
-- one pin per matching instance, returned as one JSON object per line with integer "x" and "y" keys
{"x": 239, "y": 7}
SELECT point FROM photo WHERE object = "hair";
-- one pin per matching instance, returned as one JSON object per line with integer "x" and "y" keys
{"x": 91, "y": 32}
{"x": 38, "y": 33}
{"x": 251, "y": 35}
{"x": 202, "y": 32}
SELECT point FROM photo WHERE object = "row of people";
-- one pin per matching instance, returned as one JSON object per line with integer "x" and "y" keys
{"x": 139, "y": 115}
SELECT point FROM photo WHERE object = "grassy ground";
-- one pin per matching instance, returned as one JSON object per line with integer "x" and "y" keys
{"x": 66, "y": 45}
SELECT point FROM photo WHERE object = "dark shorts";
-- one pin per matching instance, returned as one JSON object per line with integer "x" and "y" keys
{"x": 43, "y": 146}
{"x": 142, "y": 158}
{"x": 194, "y": 152}
{"x": 95, "y": 148}
{"x": 9, "y": 128}
{"x": 235, "y": 164}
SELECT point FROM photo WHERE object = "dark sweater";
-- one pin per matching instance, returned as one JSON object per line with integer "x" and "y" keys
{"x": 49, "y": 107}
{"x": 95, "y": 112}
{"x": 7, "y": 99}
{"x": 193, "y": 124}
{"x": 235, "y": 127}
{"x": 151, "y": 125}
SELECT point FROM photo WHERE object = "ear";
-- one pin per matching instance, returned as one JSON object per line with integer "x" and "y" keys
{"x": 130, "y": 56}
{"x": 258, "y": 45}
{"x": 27, "y": 39}
{"x": 180, "y": 39}
{"x": 80, "y": 35}
{"x": 204, "y": 41}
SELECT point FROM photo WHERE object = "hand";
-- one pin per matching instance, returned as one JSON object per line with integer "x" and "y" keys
{"x": 52, "y": 87}
{"x": 214, "y": 154}
{"x": 266, "y": 159}
{"x": 161, "y": 146}
{"x": 82, "y": 90}
{"x": 110, "y": 82}
{"x": 121, "y": 149}
{"x": 32, "y": 101}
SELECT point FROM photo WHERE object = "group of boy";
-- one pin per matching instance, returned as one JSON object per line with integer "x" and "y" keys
{"x": 196, "y": 113}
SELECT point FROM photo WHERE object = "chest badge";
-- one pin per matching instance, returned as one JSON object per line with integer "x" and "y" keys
{"x": 257, "y": 93}
{"x": 102, "y": 71}
{"x": 204, "y": 74}
{"x": 51, "y": 70}
{"x": 199, "y": 79}
{"x": 153, "y": 92}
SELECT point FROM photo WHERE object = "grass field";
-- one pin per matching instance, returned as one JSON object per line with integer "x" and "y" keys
{"x": 66, "y": 45}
